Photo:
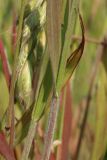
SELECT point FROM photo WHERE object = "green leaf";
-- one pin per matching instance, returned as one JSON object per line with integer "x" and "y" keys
{"x": 54, "y": 33}
{"x": 66, "y": 46}
{"x": 43, "y": 95}
{"x": 21, "y": 127}
{"x": 64, "y": 3}
{"x": 43, "y": 69}
{"x": 39, "y": 107}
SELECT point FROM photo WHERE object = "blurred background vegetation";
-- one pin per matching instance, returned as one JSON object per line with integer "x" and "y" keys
{"x": 94, "y": 13}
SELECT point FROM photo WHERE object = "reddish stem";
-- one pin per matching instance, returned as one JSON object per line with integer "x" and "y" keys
{"x": 52, "y": 156}
{"x": 64, "y": 148}
{"x": 5, "y": 150}
{"x": 5, "y": 64}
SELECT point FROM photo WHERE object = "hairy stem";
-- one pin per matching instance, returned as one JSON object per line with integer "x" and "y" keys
{"x": 51, "y": 127}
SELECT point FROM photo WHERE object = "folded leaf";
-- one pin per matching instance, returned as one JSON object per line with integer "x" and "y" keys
{"x": 40, "y": 100}
{"x": 74, "y": 59}
{"x": 67, "y": 32}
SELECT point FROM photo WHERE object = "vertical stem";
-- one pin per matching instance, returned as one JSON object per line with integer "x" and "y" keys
{"x": 14, "y": 76}
{"x": 51, "y": 127}
{"x": 66, "y": 124}
{"x": 5, "y": 64}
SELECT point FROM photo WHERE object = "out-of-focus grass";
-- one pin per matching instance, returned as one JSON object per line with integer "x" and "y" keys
{"x": 95, "y": 20}
{"x": 96, "y": 28}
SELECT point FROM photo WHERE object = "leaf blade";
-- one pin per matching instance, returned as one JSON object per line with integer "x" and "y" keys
{"x": 54, "y": 33}
{"x": 66, "y": 46}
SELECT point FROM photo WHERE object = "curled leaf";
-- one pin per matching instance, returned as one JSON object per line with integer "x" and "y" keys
{"x": 75, "y": 57}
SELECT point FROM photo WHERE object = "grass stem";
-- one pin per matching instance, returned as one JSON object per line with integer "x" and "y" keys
{"x": 51, "y": 127}
{"x": 14, "y": 76}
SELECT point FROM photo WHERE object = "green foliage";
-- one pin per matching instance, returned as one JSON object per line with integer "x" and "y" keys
{"x": 42, "y": 63}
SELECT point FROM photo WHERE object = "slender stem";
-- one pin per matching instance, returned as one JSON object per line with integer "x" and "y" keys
{"x": 67, "y": 123}
{"x": 14, "y": 75}
{"x": 51, "y": 127}
{"x": 92, "y": 80}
